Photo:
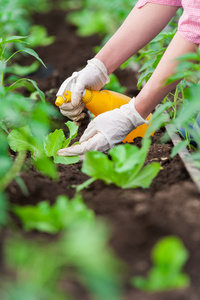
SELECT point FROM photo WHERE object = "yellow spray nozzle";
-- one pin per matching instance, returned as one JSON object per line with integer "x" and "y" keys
{"x": 60, "y": 100}
{"x": 87, "y": 97}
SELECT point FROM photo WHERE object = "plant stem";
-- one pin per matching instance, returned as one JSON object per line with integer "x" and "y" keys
{"x": 13, "y": 171}
{"x": 85, "y": 184}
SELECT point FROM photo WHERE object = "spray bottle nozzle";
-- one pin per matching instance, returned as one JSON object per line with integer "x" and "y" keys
{"x": 59, "y": 101}
{"x": 87, "y": 97}
{"x": 65, "y": 98}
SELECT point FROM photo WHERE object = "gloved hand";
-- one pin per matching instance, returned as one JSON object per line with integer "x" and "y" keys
{"x": 93, "y": 76}
{"x": 107, "y": 130}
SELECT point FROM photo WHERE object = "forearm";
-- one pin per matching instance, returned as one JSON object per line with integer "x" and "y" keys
{"x": 139, "y": 28}
{"x": 155, "y": 89}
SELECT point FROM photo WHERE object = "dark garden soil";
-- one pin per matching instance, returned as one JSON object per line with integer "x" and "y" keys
{"x": 138, "y": 218}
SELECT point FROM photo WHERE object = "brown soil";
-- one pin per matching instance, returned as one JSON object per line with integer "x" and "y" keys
{"x": 138, "y": 218}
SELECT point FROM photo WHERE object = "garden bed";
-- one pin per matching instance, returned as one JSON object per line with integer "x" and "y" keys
{"x": 138, "y": 218}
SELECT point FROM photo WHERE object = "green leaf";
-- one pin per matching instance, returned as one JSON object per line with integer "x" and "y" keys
{"x": 179, "y": 76}
{"x": 38, "y": 37}
{"x": 46, "y": 167}
{"x": 21, "y": 139}
{"x": 170, "y": 252}
{"x": 54, "y": 142}
{"x": 29, "y": 84}
{"x": 65, "y": 160}
{"x": 181, "y": 145}
{"x": 143, "y": 154}
{"x": 97, "y": 165}
{"x": 159, "y": 119}
{"x": 85, "y": 184}
{"x": 3, "y": 126}
{"x": 145, "y": 76}
{"x": 73, "y": 130}
{"x": 189, "y": 56}
{"x": 13, "y": 39}
{"x": 147, "y": 64}
{"x": 125, "y": 157}
{"x": 24, "y": 70}
{"x": 144, "y": 177}
{"x": 22, "y": 185}
{"x": 33, "y": 53}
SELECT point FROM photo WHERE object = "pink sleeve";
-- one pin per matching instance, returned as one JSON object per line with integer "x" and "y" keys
{"x": 141, "y": 3}
{"x": 189, "y": 22}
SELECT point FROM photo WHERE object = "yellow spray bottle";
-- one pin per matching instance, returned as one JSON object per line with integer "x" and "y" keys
{"x": 99, "y": 102}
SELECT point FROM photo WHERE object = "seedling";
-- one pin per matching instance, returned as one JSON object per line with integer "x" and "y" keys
{"x": 125, "y": 169}
{"x": 168, "y": 256}
{"x": 41, "y": 151}
{"x": 80, "y": 253}
{"x": 53, "y": 218}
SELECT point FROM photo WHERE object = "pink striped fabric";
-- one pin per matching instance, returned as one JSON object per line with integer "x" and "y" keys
{"x": 189, "y": 22}
{"x": 141, "y": 3}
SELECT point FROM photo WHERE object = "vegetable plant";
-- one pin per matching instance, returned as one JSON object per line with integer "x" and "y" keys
{"x": 53, "y": 218}
{"x": 100, "y": 17}
{"x": 186, "y": 114}
{"x": 18, "y": 111}
{"x": 15, "y": 20}
{"x": 80, "y": 253}
{"x": 168, "y": 256}
{"x": 125, "y": 168}
{"x": 25, "y": 124}
{"x": 22, "y": 139}
{"x": 96, "y": 265}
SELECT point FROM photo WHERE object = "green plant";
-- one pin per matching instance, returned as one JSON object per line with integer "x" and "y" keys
{"x": 168, "y": 256}
{"x": 56, "y": 140}
{"x": 81, "y": 253}
{"x": 149, "y": 57}
{"x": 125, "y": 168}
{"x": 53, "y": 218}
{"x": 15, "y": 20}
{"x": 16, "y": 16}
{"x": 37, "y": 267}
{"x": 114, "y": 85}
{"x": 96, "y": 265}
{"x": 38, "y": 36}
{"x": 186, "y": 110}
{"x": 42, "y": 149}
{"x": 18, "y": 110}
{"x": 100, "y": 17}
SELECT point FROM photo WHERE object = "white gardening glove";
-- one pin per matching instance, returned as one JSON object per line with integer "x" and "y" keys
{"x": 107, "y": 130}
{"x": 93, "y": 76}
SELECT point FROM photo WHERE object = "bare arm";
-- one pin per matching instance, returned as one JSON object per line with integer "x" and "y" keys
{"x": 155, "y": 91}
{"x": 139, "y": 28}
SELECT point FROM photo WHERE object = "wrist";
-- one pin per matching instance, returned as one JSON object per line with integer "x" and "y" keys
{"x": 106, "y": 61}
{"x": 98, "y": 64}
